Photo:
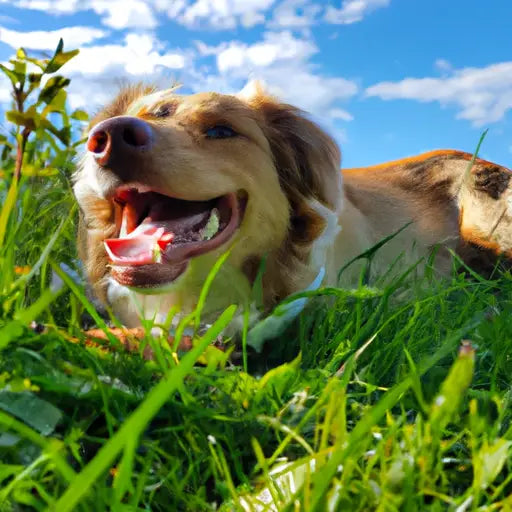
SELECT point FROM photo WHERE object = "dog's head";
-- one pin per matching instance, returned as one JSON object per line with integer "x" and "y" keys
{"x": 169, "y": 182}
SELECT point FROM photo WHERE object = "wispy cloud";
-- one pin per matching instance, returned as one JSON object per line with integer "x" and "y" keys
{"x": 481, "y": 95}
{"x": 352, "y": 11}
{"x": 117, "y": 14}
{"x": 212, "y": 14}
{"x": 443, "y": 65}
{"x": 218, "y": 14}
{"x": 99, "y": 70}
{"x": 295, "y": 14}
{"x": 338, "y": 113}
{"x": 275, "y": 47}
{"x": 47, "y": 40}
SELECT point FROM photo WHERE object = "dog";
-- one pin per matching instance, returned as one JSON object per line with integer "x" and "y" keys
{"x": 168, "y": 183}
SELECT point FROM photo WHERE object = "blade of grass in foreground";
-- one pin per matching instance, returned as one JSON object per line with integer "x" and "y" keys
{"x": 137, "y": 422}
{"x": 207, "y": 285}
{"x": 473, "y": 158}
{"x": 7, "y": 208}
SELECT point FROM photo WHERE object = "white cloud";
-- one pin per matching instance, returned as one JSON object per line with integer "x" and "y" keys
{"x": 481, "y": 95}
{"x": 251, "y": 19}
{"x": 218, "y": 14}
{"x": 117, "y": 14}
{"x": 275, "y": 47}
{"x": 352, "y": 11}
{"x": 338, "y": 113}
{"x": 205, "y": 50}
{"x": 312, "y": 92}
{"x": 137, "y": 56}
{"x": 125, "y": 13}
{"x": 41, "y": 40}
{"x": 283, "y": 62}
{"x": 49, "y": 6}
{"x": 295, "y": 13}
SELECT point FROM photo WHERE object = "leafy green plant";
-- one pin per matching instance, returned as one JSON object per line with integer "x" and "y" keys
{"x": 36, "y": 164}
{"x": 37, "y": 93}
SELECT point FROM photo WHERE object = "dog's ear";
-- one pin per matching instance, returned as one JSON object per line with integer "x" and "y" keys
{"x": 307, "y": 160}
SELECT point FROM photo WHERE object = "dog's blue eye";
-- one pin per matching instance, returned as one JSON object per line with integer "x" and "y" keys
{"x": 220, "y": 132}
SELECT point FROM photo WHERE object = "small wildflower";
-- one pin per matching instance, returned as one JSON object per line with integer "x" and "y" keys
{"x": 211, "y": 439}
{"x": 21, "y": 270}
{"x": 156, "y": 332}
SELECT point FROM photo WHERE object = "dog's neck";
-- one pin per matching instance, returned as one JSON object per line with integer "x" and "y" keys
{"x": 347, "y": 234}
{"x": 339, "y": 241}
{"x": 355, "y": 236}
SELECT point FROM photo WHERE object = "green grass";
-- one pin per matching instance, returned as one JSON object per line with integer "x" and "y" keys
{"x": 364, "y": 404}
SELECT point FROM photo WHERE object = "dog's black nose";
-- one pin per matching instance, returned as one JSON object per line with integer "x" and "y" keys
{"x": 118, "y": 140}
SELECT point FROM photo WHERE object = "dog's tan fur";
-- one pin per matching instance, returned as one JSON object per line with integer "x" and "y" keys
{"x": 301, "y": 212}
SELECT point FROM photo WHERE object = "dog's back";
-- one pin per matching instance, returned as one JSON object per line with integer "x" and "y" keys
{"x": 447, "y": 200}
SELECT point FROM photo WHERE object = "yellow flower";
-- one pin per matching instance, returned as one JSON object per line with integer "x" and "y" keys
{"x": 22, "y": 270}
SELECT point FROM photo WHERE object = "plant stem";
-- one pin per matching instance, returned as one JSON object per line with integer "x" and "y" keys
{"x": 18, "y": 97}
{"x": 20, "y": 152}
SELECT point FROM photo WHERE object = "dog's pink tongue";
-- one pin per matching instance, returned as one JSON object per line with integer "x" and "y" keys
{"x": 140, "y": 247}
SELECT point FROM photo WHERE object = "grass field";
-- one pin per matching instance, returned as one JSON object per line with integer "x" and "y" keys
{"x": 389, "y": 397}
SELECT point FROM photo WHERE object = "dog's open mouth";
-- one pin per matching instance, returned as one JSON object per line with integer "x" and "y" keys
{"x": 158, "y": 234}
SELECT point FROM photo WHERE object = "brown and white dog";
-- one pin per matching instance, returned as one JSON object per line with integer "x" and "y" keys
{"x": 170, "y": 182}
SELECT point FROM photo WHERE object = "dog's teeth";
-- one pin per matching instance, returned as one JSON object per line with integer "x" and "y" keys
{"x": 123, "y": 232}
{"x": 212, "y": 226}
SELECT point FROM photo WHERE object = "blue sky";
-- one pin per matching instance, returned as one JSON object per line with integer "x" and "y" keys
{"x": 388, "y": 78}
